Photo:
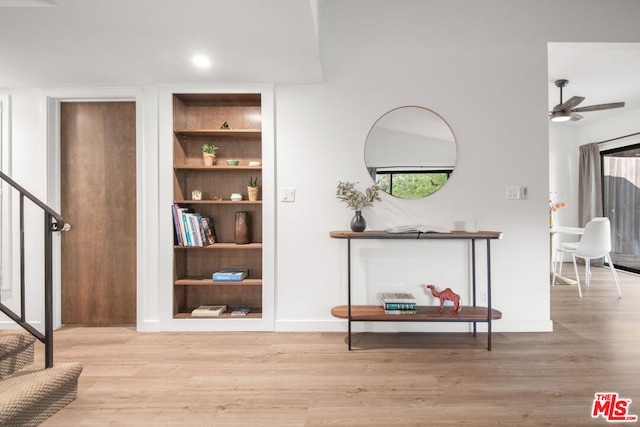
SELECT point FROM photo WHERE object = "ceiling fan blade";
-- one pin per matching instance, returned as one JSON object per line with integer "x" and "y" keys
{"x": 570, "y": 103}
{"x": 575, "y": 117}
{"x": 599, "y": 107}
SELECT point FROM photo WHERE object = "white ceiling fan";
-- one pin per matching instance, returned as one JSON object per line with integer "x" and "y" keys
{"x": 567, "y": 110}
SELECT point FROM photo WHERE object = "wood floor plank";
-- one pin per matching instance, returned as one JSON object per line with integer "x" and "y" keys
{"x": 310, "y": 379}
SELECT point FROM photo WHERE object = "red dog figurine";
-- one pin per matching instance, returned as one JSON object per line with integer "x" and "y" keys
{"x": 447, "y": 294}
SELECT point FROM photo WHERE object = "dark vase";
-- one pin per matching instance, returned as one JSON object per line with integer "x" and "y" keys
{"x": 242, "y": 228}
{"x": 358, "y": 223}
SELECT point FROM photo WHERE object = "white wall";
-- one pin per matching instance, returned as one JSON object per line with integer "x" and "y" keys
{"x": 623, "y": 124}
{"x": 482, "y": 66}
{"x": 563, "y": 171}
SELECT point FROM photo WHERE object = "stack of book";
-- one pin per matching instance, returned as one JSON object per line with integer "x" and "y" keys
{"x": 398, "y": 303}
{"x": 192, "y": 228}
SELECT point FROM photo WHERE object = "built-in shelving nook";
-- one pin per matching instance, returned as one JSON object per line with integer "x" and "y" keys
{"x": 233, "y": 123}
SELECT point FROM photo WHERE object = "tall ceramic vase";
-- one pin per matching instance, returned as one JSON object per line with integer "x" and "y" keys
{"x": 242, "y": 228}
{"x": 358, "y": 223}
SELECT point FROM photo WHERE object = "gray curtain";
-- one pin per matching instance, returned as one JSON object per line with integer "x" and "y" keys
{"x": 589, "y": 184}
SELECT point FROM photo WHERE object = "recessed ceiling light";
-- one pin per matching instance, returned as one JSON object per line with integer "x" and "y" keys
{"x": 201, "y": 61}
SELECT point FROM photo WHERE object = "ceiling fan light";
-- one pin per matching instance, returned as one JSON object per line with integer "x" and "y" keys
{"x": 560, "y": 116}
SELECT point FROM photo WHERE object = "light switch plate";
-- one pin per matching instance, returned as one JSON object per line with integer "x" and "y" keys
{"x": 516, "y": 193}
{"x": 288, "y": 194}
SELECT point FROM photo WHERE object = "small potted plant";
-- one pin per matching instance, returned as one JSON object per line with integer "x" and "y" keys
{"x": 357, "y": 200}
{"x": 209, "y": 154}
{"x": 252, "y": 189}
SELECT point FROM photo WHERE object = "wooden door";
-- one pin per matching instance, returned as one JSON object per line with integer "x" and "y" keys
{"x": 98, "y": 200}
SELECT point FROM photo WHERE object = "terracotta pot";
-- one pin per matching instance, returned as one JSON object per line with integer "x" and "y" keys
{"x": 253, "y": 193}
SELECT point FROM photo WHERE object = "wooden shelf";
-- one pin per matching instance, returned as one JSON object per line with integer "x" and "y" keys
{"x": 255, "y": 313}
{"x": 206, "y": 281}
{"x": 219, "y": 202}
{"x": 454, "y": 235}
{"x": 223, "y": 246}
{"x": 424, "y": 314}
{"x": 216, "y": 168}
{"x": 238, "y": 133}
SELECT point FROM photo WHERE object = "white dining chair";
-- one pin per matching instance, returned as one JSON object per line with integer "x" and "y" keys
{"x": 594, "y": 243}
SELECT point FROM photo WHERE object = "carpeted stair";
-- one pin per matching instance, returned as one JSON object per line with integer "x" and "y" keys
{"x": 30, "y": 394}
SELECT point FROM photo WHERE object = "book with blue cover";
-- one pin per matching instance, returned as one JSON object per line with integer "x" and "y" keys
{"x": 230, "y": 275}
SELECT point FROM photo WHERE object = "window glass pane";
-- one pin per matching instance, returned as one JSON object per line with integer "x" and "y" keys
{"x": 621, "y": 200}
{"x": 411, "y": 185}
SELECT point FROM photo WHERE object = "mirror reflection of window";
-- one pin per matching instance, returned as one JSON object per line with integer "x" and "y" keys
{"x": 410, "y": 184}
{"x": 410, "y": 152}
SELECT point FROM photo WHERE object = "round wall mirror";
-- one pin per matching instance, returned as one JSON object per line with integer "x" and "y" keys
{"x": 410, "y": 152}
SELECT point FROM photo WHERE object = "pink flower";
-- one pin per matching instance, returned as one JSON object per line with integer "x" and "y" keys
{"x": 553, "y": 205}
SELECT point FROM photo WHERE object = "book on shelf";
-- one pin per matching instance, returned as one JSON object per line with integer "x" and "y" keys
{"x": 178, "y": 225}
{"x": 240, "y": 311}
{"x": 398, "y": 303}
{"x": 208, "y": 230}
{"x": 230, "y": 275}
{"x": 417, "y": 229}
{"x": 397, "y": 298}
{"x": 192, "y": 228}
{"x": 398, "y": 306}
{"x": 414, "y": 311}
{"x": 209, "y": 310}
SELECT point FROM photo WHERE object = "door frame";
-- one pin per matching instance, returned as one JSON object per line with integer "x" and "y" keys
{"x": 146, "y": 193}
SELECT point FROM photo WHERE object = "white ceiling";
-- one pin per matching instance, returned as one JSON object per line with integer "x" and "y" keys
{"x": 58, "y": 43}
{"x": 600, "y": 72}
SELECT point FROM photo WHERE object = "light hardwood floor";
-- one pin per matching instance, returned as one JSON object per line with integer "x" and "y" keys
{"x": 310, "y": 379}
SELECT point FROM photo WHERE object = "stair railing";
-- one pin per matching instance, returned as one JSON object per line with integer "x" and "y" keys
{"x": 53, "y": 222}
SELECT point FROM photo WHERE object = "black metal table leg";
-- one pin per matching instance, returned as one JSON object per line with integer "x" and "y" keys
{"x": 489, "y": 295}
{"x": 473, "y": 279}
{"x": 349, "y": 292}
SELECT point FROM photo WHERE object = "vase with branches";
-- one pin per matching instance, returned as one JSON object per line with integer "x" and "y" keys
{"x": 554, "y": 205}
{"x": 356, "y": 200}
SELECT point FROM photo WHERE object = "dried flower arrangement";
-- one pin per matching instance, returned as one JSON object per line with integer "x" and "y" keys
{"x": 355, "y": 199}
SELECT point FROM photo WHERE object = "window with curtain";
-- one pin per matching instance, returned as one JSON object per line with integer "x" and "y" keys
{"x": 621, "y": 203}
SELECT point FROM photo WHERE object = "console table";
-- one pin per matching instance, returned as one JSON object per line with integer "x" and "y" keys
{"x": 373, "y": 313}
